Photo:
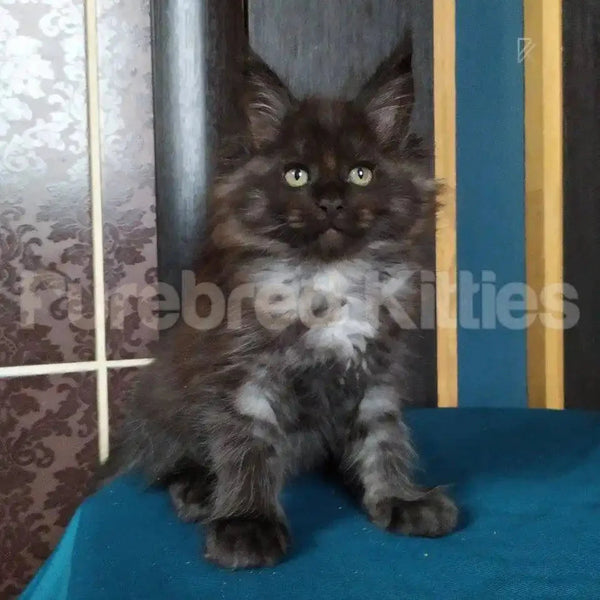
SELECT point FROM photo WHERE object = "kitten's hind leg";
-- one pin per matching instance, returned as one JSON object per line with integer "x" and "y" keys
{"x": 191, "y": 493}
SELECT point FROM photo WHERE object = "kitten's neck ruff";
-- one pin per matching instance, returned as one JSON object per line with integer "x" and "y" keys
{"x": 339, "y": 303}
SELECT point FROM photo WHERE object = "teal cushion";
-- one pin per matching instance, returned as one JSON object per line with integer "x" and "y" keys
{"x": 528, "y": 483}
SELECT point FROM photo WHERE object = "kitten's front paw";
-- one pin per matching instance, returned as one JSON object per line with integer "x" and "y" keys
{"x": 433, "y": 515}
{"x": 238, "y": 543}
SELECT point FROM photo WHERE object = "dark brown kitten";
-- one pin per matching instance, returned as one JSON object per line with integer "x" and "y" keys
{"x": 296, "y": 348}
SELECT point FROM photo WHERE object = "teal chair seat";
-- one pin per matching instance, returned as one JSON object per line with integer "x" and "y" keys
{"x": 528, "y": 483}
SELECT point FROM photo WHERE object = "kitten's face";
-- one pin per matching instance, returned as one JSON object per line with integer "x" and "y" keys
{"x": 327, "y": 178}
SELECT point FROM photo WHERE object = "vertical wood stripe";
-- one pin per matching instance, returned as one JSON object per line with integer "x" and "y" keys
{"x": 444, "y": 52}
{"x": 544, "y": 193}
{"x": 93, "y": 99}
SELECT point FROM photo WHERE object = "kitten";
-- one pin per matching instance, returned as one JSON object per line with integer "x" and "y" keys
{"x": 296, "y": 351}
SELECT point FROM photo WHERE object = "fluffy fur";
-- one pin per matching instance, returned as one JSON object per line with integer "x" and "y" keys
{"x": 311, "y": 360}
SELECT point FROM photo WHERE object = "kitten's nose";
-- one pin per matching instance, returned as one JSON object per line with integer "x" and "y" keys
{"x": 330, "y": 205}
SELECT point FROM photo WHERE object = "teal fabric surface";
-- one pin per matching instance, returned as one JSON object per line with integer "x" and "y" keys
{"x": 52, "y": 581}
{"x": 528, "y": 483}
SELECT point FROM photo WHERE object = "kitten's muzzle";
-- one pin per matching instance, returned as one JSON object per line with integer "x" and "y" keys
{"x": 332, "y": 207}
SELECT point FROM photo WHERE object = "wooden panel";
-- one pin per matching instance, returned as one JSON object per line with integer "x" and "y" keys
{"x": 543, "y": 185}
{"x": 444, "y": 47}
{"x": 194, "y": 47}
{"x": 581, "y": 66}
{"x": 330, "y": 48}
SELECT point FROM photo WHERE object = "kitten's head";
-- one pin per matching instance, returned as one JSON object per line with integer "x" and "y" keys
{"x": 324, "y": 178}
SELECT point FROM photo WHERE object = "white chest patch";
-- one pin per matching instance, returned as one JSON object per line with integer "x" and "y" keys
{"x": 340, "y": 309}
{"x": 339, "y": 303}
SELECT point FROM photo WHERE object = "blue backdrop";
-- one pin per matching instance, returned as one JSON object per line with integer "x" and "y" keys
{"x": 490, "y": 194}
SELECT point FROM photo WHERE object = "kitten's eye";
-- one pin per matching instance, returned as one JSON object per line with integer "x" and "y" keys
{"x": 360, "y": 176}
{"x": 296, "y": 177}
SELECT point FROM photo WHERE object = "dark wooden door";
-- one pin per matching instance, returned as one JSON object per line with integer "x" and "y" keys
{"x": 581, "y": 42}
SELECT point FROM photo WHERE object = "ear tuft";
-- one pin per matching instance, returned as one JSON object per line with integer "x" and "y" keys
{"x": 388, "y": 98}
{"x": 266, "y": 101}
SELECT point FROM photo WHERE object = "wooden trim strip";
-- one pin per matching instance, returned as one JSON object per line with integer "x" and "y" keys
{"x": 444, "y": 52}
{"x": 544, "y": 193}
{"x": 93, "y": 102}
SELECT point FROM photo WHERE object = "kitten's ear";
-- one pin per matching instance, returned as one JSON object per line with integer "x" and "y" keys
{"x": 388, "y": 97}
{"x": 266, "y": 101}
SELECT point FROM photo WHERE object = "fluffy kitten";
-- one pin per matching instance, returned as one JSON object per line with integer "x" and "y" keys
{"x": 297, "y": 351}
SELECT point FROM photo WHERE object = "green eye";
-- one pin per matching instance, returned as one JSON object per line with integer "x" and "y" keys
{"x": 296, "y": 177}
{"x": 360, "y": 176}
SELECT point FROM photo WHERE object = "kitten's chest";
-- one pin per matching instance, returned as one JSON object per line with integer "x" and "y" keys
{"x": 335, "y": 307}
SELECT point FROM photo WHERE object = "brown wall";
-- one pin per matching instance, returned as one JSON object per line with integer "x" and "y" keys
{"x": 49, "y": 422}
